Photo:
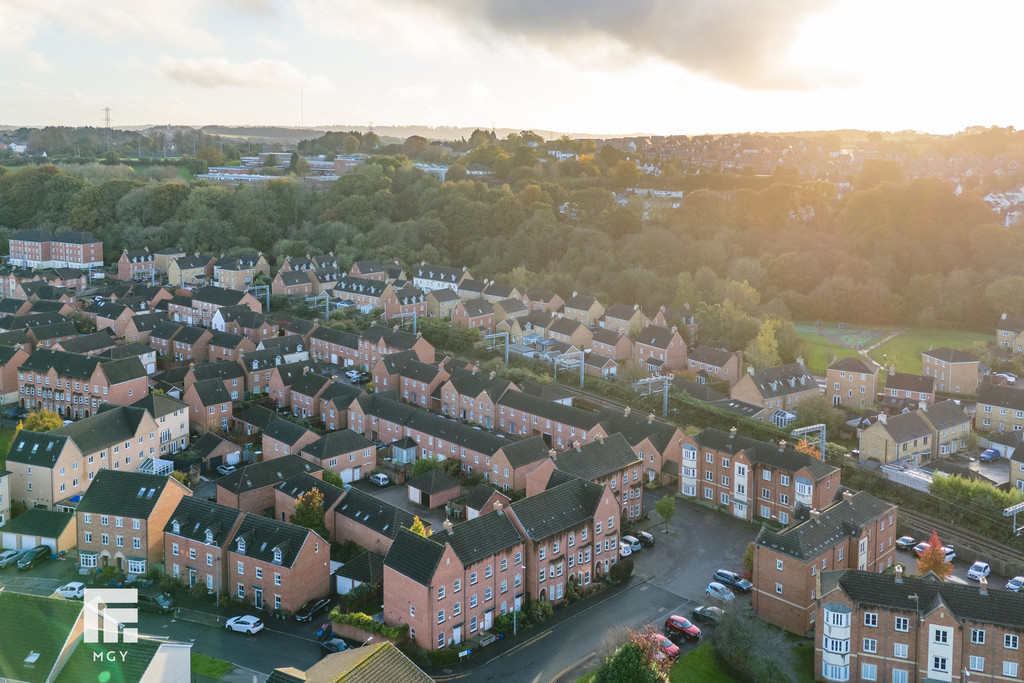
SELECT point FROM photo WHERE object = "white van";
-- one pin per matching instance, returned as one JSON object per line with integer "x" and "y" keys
{"x": 380, "y": 479}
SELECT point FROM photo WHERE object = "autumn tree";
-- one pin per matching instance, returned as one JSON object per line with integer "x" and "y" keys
{"x": 934, "y": 559}
{"x": 807, "y": 448}
{"x": 43, "y": 421}
{"x": 417, "y": 527}
{"x": 309, "y": 511}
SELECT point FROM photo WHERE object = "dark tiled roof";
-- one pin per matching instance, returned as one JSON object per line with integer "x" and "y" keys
{"x": 596, "y": 459}
{"x": 556, "y": 412}
{"x": 852, "y": 364}
{"x": 28, "y": 624}
{"x": 577, "y": 302}
{"x": 478, "y": 307}
{"x": 785, "y": 379}
{"x": 298, "y": 484}
{"x": 606, "y": 336}
{"x": 196, "y": 516}
{"x": 701, "y": 392}
{"x": 40, "y": 522}
{"x": 263, "y": 536}
{"x": 710, "y": 355}
{"x": 373, "y": 513}
{"x": 440, "y": 273}
{"x": 868, "y": 589}
{"x": 365, "y": 568}
{"x": 285, "y": 431}
{"x": 906, "y": 427}
{"x": 226, "y": 339}
{"x": 159, "y": 405}
{"x": 844, "y": 519}
{"x": 333, "y": 444}
{"x": 332, "y": 336}
{"x": 469, "y": 383}
{"x": 211, "y": 392}
{"x": 36, "y": 448}
{"x": 433, "y": 481}
{"x": 557, "y": 509}
{"x": 102, "y": 430}
{"x": 444, "y": 295}
{"x": 636, "y": 427}
{"x": 124, "y": 494}
{"x": 310, "y": 384}
{"x": 194, "y": 261}
{"x": 478, "y": 496}
{"x": 656, "y": 336}
{"x": 258, "y": 416}
{"x": 222, "y": 369}
{"x": 902, "y": 381}
{"x": 267, "y": 473}
{"x": 1001, "y": 396}
{"x": 741, "y": 408}
{"x": 950, "y": 355}
{"x": 190, "y": 335}
{"x": 945, "y": 414}
{"x": 481, "y": 537}
{"x": 621, "y": 312}
{"x": 89, "y": 342}
{"x": 566, "y": 326}
{"x": 218, "y": 296}
{"x": 414, "y": 556}
{"x": 208, "y": 443}
{"x": 395, "y": 339}
{"x": 88, "y": 662}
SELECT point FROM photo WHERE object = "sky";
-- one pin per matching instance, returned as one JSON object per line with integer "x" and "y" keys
{"x": 603, "y": 67}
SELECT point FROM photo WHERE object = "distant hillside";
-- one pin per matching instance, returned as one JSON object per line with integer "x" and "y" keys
{"x": 286, "y": 134}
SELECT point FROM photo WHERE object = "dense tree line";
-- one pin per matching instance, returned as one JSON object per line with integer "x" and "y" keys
{"x": 890, "y": 251}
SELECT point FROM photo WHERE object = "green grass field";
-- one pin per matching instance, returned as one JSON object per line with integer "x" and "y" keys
{"x": 699, "y": 666}
{"x": 6, "y": 436}
{"x": 905, "y": 349}
{"x": 209, "y": 667}
{"x": 822, "y": 351}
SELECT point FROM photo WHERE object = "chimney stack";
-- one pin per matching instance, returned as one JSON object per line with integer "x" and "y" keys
{"x": 493, "y": 373}
{"x": 847, "y": 494}
{"x": 305, "y": 369}
{"x": 498, "y": 507}
{"x": 576, "y": 445}
{"x": 815, "y": 513}
{"x": 782, "y": 445}
{"x": 732, "y": 432}
{"x": 650, "y": 418}
{"x": 600, "y": 437}
{"x": 750, "y": 370}
{"x": 899, "y": 573}
{"x": 447, "y": 526}
{"x": 983, "y": 586}
{"x": 552, "y": 453}
{"x": 476, "y": 368}
{"x": 625, "y": 413}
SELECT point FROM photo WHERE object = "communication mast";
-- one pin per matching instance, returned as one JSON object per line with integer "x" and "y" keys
{"x": 106, "y": 123}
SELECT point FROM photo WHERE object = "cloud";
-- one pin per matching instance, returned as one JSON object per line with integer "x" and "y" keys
{"x": 217, "y": 72}
{"x": 741, "y": 42}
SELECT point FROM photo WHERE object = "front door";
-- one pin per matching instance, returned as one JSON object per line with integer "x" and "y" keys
{"x": 257, "y": 598}
{"x": 488, "y": 619}
{"x": 191, "y": 576}
{"x": 457, "y": 635}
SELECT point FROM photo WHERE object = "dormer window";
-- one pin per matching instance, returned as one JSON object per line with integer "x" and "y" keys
{"x": 241, "y": 545}
{"x": 176, "y": 527}
{"x": 209, "y": 536}
{"x": 278, "y": 555}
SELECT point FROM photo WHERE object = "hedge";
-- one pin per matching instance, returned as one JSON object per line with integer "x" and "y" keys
{"x": 366, "y": 623}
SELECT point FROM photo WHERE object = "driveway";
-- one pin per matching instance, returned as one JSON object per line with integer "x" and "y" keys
{"x": 997, "y": 470}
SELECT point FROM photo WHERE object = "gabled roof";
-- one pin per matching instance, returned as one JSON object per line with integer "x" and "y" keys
{"x": 764, "y": 452}
{"x": 841, "y": 520}
{"x": 195, "y": 516}
{"x": 559, "y": 508}
{"x": 285, "y": 431}
{"x": 1001, "y": 396}
{"x": 226, "y": 339}
{"x": 373, "y": 513}
{"x": 34, "y": 625}
{"x": 211, "y": 392}
{"x": 208, "y": 443}
{"x": 945, "y": 414}
{"x": 89, "y": 342}
{"x": 263, "y": 536}
{"x": 966, "y": 603}
{"x": 476, "y": 308}
{"x": 1015, "y": 325}
{"x": 469, "y": 383}
{"x": 710, "y": 356}
{"x": 298, "y": 484}
{"x": 194, "y": 261}
{"x": 950, "y": 355}
{"x": 575, "y": 417}
{"x": 190, "y": 335}
{"x": 566, "y": 326}
{"x": 332, "y": 336}
{"x": 257, "y": 415}
{"x": 36, "y": 448}
{"x": 656, "y": 336}
{"x": 480, "y": 537}
{"x": 903, "y": 381}
{"x": 577, "y": 302}
{"x": 124, "y": 494}
{"x": 360, "y": 285}
{"x": 88, "y": 662}
{"x": 906, "y": 427}
{"x": 636, "y": 427}
{"x": 221, "y": 370}
{"x": 433, "y": 481}
{"x": 621, "y": 311}
{"x": 218, "y": 296}
{"x": 373, "y": 663}
{"x": 852, "y": 364}
{"x": 478, "y": 496}
{"x": 439, "y": 273}
{"x": 393, "y": 338}
{"x": 365, "y": 568}
{"x": 597, "y": 459}
{"x": 414, "y": 556}
{"x": 786, "y": 379}
{"x": 40, "y": 522}
{"x": 607, "y": 336}
{"x": 521, "y": 453}
{"x": 333, "y": 444}
{"x": 104, "y": 429}
{"x": 443, "y": 295}
{"x": 267, "y": 473}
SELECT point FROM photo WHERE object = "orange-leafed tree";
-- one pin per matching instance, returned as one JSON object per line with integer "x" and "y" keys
{"x": 934, "y": 559}
{"x": 807, "y": 448}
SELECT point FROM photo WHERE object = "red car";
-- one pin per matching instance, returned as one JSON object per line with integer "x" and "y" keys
{"x": 666, "y": 648}
{"x": 682, "y": 627}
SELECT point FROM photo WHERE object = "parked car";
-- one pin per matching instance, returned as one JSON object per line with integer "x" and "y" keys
{"x": 633, "y": 541}
{"x": 1015, "y": 584}
{"x": 380, "y": 479}
{"x": 646, "y": 538}
{"x": 666, "y": 648}
{"x": 225, "y": 469}
{"x": 709, "y": 614}
{"x": 906, "y": 542}
{"x": 16, "y": 413}
{"x": 244, "y": 624}
{"x": 733, "y": 580}
{"x": 31, "y": 558}
{"x": 989, "y": 455}
{"x": 719, "y": 591}
{"x": 1008, "y": 376}
{"x": 161, "y": 603}
{"x": 979, "y": 570}
{"x": 949, "y": 550}
{"x": 72, "y": 591}
{"x": 329, "y": 647}
{"x": 8, "y": 557}
{"x": 682, "y": 627}
{"x": 311, "y": 608}
{"x": 625, "y": 549}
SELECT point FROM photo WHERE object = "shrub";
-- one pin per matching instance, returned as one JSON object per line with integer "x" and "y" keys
{"x": 621, "y": 570}
{"x": 442, "y": 657}
{"x": 366, "y": 623}
{"x": 539, "y": 611}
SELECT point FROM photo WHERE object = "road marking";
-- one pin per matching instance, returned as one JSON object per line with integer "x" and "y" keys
{"x": 573, "y": 666}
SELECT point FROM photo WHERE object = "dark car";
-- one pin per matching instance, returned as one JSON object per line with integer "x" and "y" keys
{"x": 329, "y": 647}
{"x": 709, "y": 614}
{"x": 733, "y": 580}
{"x": 906, "y": 542}
{"x": 31, "y": 558}
{"x": 681, "y": 627}
{"x": 161, "y": 603}
{"x": 989, "y": 455}
{"x": 646, "y": 538}
{"x": 311, "y": 608}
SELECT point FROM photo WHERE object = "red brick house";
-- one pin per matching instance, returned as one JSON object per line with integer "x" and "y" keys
{"x": 251, "y": 487}
{"x": 292, "y": 283}
{"x": 585, "y": 309}
{"x": 346, "y": 453}
{"x": 612, "y": 344}
{"x": 905, "y": 392}
{"x": 526, "y": 415}
{"x": 474, "y": 314}
{"x": 75, "y": 386}
{"x": 452, "y": 585}
{"x": 195, "y": 543}
{"x": 227, "y": 346}
{"x": 716, "y": 364}
{"x": 380, "y": 341}
{"x": 472, "y": 396}
{"x": 286, "y": 495}
{"x": 541, "y": 300}
{"x": 209, "y": 406}
{"x": 656, "y": 349}
{"x": 572, "y": 332}
{"x": 410, "y": 378}
{"x": 283, "y": 437}
{"x": 136, "y": 263}
{"x": 855, "y": 531}
{"x": 369, "y": 521}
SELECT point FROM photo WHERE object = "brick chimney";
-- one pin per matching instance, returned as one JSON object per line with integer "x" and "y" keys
{"x": 600, "y": 437}
{"x": 899, "y": 573}
{"x": 498, "y": 507}
{"x": 732, "y": 432}
{"x": 493, "y": 374}
{"x": 305, "y": 369}
{"x": 552, "y": 453}
{"x": 447, "y": 526}
{"x": 815, "y": 513}
{"x": 847, "y": 494}
{"x": 576, "y": 445}
{"x": 650, "y": 418}
{"x": 782, "y": 445}
{"x": 983, "y": 586}
{"x": 625, "y": 413}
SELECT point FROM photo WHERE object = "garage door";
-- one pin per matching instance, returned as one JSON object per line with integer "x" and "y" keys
{"x": 346, "y": 476}
{"x": 9, "y": 541}
{"x": 51, "y": 543}
{"x": 233, "y": 458}
{"x": 28, "y": 541}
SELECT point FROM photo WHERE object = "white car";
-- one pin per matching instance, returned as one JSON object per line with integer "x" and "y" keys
{"x": 225, "y": 469}
{"x": 978, "y": 570}
{"x": 244, "y": 624}
{"x": 1015, "y": 584}
{"x": 353, "y": 374}
{"x": 72, "y": 591}
{"x": 9, "y": 557}
{"x": 624, "y": 549}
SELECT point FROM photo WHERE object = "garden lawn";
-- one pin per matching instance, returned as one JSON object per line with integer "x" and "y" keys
{"x": 699, "y": 666}
{"x": 905, "y": 349}
{"x": 209, "y": 667}
{"x": 821, "y": 351}
{"x": 6, "y": 437}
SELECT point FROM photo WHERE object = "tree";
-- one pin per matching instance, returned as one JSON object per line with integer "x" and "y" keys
{"x": 43, "y": 421}
{"x": 418, "y": 528}
{"x": 629, "y": 664}
{"x": 934, "y": 559}
{"x": 309, "y": 511}
{"x": 422, "y": 466}
{"x": 349, "y": 144}
{"x": 763, "y": 350}
{"x": 753, "y": 648}
{"x": 804, "y": 447}
{"x": 666, "y": 507}
{"x": 748, "y": 559}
